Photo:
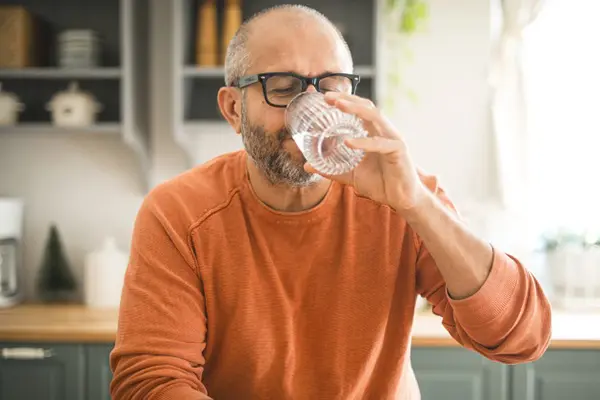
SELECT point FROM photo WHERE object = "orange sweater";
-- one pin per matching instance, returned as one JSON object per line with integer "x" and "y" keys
{"x": 227, "y": 298}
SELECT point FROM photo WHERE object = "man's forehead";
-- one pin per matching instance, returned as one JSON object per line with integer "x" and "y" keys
{"x": 294, "y": 47}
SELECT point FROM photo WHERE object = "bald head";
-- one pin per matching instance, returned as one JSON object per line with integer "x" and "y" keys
{"x": 281, "y": 24}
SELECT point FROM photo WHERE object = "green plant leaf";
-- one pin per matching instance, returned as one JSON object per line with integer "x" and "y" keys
{"x": 408, "y": 24}
{"x": 421, "y": 10}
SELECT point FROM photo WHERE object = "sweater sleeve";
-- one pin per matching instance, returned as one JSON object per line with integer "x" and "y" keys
{"x": 161, "y": 334}
{"x": 507, "y": 320}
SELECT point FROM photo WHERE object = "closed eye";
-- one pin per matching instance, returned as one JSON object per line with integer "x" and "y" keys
{"x": 283, "y": 90}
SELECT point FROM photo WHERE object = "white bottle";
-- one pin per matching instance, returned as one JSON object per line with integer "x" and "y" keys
{"x": 104, "y": 274}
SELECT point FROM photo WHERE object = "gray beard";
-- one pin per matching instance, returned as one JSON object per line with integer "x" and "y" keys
{"x": 266, "y": 151}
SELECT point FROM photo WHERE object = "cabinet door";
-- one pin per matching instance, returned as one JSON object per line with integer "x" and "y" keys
{"x": 559, "y": 375}
{"x": 98, "y": 371}
{"x": 459, "y": 374}
{"x": 41, "y": 371}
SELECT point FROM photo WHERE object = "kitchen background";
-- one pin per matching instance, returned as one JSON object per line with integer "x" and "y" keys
{"x": 442, "y": 72}
{"x": 89, "y": 183}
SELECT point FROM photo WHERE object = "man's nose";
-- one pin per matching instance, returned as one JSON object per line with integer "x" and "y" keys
{"x": 311, "y": 88}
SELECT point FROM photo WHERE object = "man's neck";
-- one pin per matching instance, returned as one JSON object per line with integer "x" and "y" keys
{"x": 284, "y": 197}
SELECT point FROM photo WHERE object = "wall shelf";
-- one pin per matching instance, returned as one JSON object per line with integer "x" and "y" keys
{"x": 203, "y": 72}
{"x": 365, "y": 71}
{"x": 183, "y": 103}
{"x": 119, "y": 83}
{"x": 49, "y": 129}
{"x": 61, "y": 73}
{"x": 191, "y": 71}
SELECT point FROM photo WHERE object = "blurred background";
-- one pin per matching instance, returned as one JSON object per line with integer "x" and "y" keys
{"x": 100, "y": 101}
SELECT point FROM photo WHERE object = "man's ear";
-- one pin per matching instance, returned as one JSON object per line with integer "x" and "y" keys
{"x": 230, "y": 104}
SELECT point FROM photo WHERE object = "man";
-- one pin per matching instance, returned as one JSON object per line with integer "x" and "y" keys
{"x": 253, "y": 277}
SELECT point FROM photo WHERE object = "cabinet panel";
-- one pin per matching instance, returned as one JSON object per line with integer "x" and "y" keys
{"x": 559, "y": 375}
{"x": 459, "y": 374}
{"x": 41, "y": 372}
{"x": 99, "y": 374}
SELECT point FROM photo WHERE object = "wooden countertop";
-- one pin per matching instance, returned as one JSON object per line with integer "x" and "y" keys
{"x": 76, "y": 323}
{"x": 58, "y": 323}
{"x": 569, "y": 331}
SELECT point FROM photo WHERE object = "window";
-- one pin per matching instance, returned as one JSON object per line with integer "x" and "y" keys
{"x": 562, "y": 87}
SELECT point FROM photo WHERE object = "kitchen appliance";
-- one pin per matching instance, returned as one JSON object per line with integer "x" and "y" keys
{"x": 11, "y": 234}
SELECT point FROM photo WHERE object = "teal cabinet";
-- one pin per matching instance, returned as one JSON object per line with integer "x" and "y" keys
{"x": 459, "y": 374}
{"x": 48, "y": 371}
{"x": 42, "y": 371}
{"x": 98, "y": 371}
{"x": 559, "y": 375}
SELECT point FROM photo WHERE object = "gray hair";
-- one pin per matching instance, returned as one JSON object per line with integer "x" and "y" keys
{"x": 237, "y": 59}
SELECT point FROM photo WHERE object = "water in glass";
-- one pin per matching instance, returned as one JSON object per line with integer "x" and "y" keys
{"x": 320, "y": 129}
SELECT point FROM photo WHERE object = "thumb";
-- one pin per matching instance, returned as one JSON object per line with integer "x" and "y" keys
{"x": 375, "y": 144}
{"x": 312, "y": 170}
{"x": 342, "y": 178}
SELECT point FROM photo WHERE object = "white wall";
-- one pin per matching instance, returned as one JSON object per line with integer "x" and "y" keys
{"x": 448, "y": 129}
{"x": 90, "y": 187}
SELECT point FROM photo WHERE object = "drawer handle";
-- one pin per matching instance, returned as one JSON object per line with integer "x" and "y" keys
{"x": 26, "y": 353}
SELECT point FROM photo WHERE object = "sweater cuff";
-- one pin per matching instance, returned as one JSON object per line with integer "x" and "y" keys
{"x": 181, "y": 392}
{"x": 491, "y": 299}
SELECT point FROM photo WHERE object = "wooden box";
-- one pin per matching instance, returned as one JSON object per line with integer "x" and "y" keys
{"x": 17, "y": 38}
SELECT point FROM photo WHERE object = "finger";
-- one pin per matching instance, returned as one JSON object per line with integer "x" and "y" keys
{"x": 373, "y": 120}
{"x": 344, "y": 178}
{"x": 361, "y": 110}
{"x": 332, "y": 97}
{"x": 372, "y": 127}
{"x": 310, "y": 169}
{"x": 379, "y": 145}
{"x": 380, "y": 126}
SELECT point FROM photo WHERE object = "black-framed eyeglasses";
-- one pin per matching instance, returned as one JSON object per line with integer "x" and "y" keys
{"x": 279, "y": 88}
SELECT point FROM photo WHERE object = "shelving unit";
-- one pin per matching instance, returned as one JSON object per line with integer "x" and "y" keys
{"x": 365, "y": 71}
{"x": 61, "y": 73}
{"x": 119, "y": 83}
{"x": 203, "y": 72}
{"x": 195, "y": 109}
{"x": 43, "y": 128}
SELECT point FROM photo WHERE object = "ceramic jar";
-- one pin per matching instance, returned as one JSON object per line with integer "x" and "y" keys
{"x": 10, "y": 107}
{"x": 73, "y": 107}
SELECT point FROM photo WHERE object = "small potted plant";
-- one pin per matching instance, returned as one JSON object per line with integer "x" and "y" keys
{"x": 573, "y": 262}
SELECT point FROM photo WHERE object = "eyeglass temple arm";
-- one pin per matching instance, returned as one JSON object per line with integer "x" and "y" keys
{"x": 245, "y": 81}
